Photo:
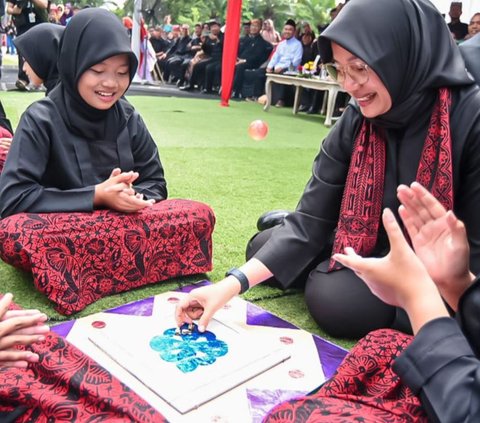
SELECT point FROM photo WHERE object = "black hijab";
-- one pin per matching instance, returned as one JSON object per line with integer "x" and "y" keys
{"x": 91, "y": 36}
{"x": 407, "y": 43}
{"x": 39, "y": 46}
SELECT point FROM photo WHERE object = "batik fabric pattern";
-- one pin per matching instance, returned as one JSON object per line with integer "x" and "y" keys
{"x": 364, "y": 389}
{"x": 67, "y": 386}
{"x": 361, "y": 206}
{"x": 77, "y": 258}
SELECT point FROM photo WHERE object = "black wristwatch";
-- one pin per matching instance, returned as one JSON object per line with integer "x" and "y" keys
{"x": 242, "y": 278}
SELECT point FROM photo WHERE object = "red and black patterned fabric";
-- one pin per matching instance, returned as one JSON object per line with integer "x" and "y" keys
{"x": 3, "y": 157}
{"x": 4, "y": 133}
{"x": 67, "y": 386}
{"x": 361, "y": 206}
{"x": 77, "y": 258}
{"x": 364, "y": 389}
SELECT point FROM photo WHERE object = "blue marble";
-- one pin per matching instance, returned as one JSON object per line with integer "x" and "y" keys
{"x": 190, "y": 350}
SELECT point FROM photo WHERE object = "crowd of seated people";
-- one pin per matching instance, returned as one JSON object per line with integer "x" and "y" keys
{"x": 193, "y": 59}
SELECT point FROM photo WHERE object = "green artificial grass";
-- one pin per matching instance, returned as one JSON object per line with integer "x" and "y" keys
{"x": 208, "y": 156}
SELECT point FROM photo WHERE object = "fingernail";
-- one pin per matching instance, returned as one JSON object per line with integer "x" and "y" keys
{"x": 33, "y": 357}
{"x": 41, "y": 338}
{"x": 201, "y": 328}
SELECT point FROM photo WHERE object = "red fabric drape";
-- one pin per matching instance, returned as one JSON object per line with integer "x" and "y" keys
{"x": 230, "y": 48}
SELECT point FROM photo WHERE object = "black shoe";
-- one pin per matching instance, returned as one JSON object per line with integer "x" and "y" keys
{"x": 303, "y": 108}
{"x": 271, "y": 218}
{"x": 21, "y": 85}
{"x": 205, "y": 91}
{"x": 312, "y": 111}
{"x": 180, "y": 83}
{"x": 187, "y": 88}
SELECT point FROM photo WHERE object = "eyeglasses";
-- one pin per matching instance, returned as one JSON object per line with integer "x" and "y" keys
{"x": 358, "y": 72}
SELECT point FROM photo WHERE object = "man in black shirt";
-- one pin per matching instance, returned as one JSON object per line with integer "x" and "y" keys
{"x": 457, "y": 28}
{"x": 253, "y": 51}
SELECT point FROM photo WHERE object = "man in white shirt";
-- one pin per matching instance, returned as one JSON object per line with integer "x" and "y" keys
{"x": 287, "y": 57}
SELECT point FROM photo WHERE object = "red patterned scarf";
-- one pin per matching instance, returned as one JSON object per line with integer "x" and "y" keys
{"x": 361, "y": 207}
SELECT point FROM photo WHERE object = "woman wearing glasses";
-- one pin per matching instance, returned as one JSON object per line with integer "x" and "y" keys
{"x": 416, "y": 116}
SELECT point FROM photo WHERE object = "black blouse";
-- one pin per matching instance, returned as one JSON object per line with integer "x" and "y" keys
{"x": 50, "y": 169}
{"x": 306, "y": 233}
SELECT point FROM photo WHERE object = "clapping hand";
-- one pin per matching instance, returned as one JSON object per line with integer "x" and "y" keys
{"x": 117, "y": 193}
{"x": 399, "y": 278}
{"x": 439, "y": 240}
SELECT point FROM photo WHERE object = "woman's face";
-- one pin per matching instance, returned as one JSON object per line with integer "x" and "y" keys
{"x": 32, "y": 76}
{"x": 474, "y": 26}
{"x": 372, "y": 96}
{"x": 102, "y": 85}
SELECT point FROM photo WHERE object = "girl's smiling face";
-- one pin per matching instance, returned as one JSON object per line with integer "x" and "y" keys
{"x": 102, "y": 85}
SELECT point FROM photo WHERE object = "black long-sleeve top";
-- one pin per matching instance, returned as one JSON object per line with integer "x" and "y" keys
{"x": 442, "y": 363}
{"x": 255, "y": 50}
{"x": 50, "y": 169}
{"x": 214, "y": 48}
{"x": 306, "y": 233}
{"x": 180, "y": 47}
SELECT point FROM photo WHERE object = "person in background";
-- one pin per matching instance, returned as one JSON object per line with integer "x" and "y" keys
{"x": 167, "y": 24}
{"x": 26, "y": 14}
{"x": 40, "y": 47}
{"x": 286, "y": 57}
{"x": 470, "y": 50}
{"x": 304, "y": 28}
{"x": 457, "y": 28}
{"x": 11, "y": 33}
{"x": 269, "y": 33}
{"x": 473, "y": 26}
{"x": 251, "y": 54}
{"x": 245, "y": 32}
{"x": 67, "y": 14}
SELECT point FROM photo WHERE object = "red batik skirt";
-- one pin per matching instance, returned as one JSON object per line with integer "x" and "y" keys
{"x": 364, "y": 389}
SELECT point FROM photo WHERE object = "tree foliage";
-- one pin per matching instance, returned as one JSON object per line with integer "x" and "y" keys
{"x": 194, "y": 11}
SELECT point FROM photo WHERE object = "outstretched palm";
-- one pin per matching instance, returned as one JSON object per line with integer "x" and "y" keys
{"x": 438, "y": 237}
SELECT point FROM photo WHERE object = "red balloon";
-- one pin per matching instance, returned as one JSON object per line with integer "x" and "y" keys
{"x": 258, "y": 130}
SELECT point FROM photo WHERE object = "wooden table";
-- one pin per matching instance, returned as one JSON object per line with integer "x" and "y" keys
{"x": 331, "y": 87}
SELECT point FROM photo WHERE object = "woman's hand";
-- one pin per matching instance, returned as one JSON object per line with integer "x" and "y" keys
{"x": 439, "y": 240}
{"x": 202, "y": 303}
{"x": 399, "y": 278}
{"x": 19, "y": 327}
{"x": 117, "y": 193}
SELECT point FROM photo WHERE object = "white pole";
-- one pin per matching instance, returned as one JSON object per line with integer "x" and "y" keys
{"x": 137, "y": 21}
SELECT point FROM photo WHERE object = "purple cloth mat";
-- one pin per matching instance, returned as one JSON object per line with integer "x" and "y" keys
{"x": 330, "y": 354}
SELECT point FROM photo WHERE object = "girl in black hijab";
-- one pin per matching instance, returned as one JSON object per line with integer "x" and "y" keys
{"x": 84, "y": 148}
{"x": 415, "y": 115}
{"x": 69, "y": 149}
{"x": 39, "y": 47}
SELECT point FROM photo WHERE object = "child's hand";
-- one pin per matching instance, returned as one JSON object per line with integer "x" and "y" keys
{"x": 117, "y": 193}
